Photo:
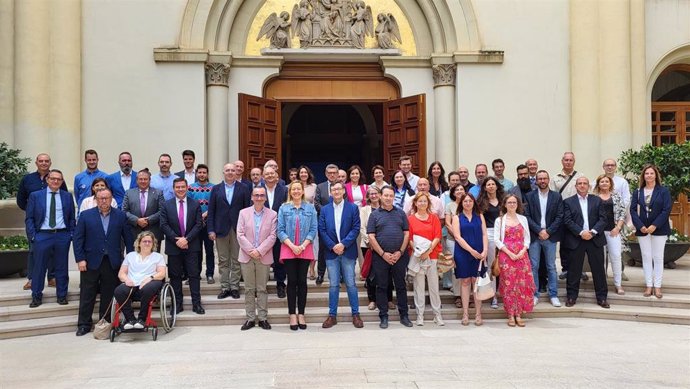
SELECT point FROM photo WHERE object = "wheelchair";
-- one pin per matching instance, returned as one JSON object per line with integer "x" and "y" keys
{"x": 164, "y": 301}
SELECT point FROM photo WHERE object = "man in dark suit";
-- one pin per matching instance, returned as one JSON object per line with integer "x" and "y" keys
{"x": 585, "y": 219}
{"x": 142, "y": 205}
{"x": 338, "y": 230}
{"x": 276, "y": 195}
{"x": 123, "y": 180}
{"x": 181, "y": 224}
{"x": 188, "y": 159}
{"x": 322, "y": 196}
{"x": 98, "y": 253}
{"x": 49, "y": 226}
{"x": 544, "y": 214}
{"x": 227, "y": 200}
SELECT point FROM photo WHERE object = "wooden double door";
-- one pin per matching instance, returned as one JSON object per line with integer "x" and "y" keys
{"x": 403, "y": 124}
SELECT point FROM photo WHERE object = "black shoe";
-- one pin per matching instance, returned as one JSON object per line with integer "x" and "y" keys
{"x": 319, "y": 279}
{"x": 35, "y": 302}
{"x": 247, "y": 325}
{"x": 585, "y": 277}
{"x": 569, "y": 302}
{"x": 563, "y": 275}
{"x": 604, "y": 304}
{"x": 81, "y": 331}
{"x": 384, "y": 323}
{"x": 302, "y": 326}
{"x": 294, "y": 327}
{"x": 180, "y": 308}
{"x": 405, "y": 321}
{"x": 542, "y": 290}
{"x": 210, "y": 280}
{"x": 62, "y": 300}
{"x": 264, "y": 324}
{"x": 235, "y": 294}
{"x": 280, "y": 290}
{"x": 225, "y": 293}
{"x": 198, "y": 309}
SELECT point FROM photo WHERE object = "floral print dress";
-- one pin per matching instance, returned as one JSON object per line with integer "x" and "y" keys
{"x": 516, "y": 284}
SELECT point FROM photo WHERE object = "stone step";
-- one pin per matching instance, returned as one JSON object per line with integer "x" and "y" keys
{"x": 316, "y": 315}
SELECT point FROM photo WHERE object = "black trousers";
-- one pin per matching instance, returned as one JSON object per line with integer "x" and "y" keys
{"x": 595, "y": 255}
{"x": 91, "y": 281}
{"x": 321, "y": 260}
{"x": 186, "y": 260}
{"x": 397, "y": 272}
{"x": 278, "y": 268}
{"x": 565, "y": 254}
{"x": 144, "y": 295}
{"x": 370, "y": 284}
{"x": 210, "y": 256}
{"x": 296, "y": 270}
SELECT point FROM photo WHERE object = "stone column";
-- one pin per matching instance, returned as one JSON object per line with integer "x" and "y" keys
{"x": 640, "y": 105}
{"x": 217, "y": 118}
{"x": 7, "y": 71}
{"x": 444, "y": 116}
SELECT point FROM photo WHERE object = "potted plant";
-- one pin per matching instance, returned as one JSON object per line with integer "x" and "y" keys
{"x": 673, "y": 161}
{"x": 14, "y": 253}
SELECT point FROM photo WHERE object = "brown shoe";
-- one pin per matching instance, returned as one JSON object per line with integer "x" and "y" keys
{"x": 27, "y": 286}
{"x": 51, "y": 282}
{"x": 357, "y": 321}
{"x": 330, "y": 322}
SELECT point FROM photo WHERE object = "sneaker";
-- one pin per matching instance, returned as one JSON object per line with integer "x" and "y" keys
{"x": 536, "y": 300}
{"x": 563, "y": 275}
{"x": 139, "y": 325}
{"x": 439, "y": 320}
{"x": 555, "y": 302}
{"x": 420, "y": 320}
{"x": 210, "y": 280}
{"x": 129, "y": 325}
{"x": 494, "y": 303}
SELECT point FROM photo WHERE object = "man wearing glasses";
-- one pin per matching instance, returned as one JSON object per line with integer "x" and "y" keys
{"x": 49, "y": 226}
{"x": 322, "y": 197}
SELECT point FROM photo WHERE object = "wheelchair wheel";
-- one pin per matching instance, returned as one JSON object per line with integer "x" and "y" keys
{"x": 112, "y": 335}
{"x": 154, "y": 333}
{"x": 168, "y": 307}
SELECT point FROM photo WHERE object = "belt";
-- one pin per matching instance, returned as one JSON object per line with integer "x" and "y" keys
{"x": 54, "y": 230}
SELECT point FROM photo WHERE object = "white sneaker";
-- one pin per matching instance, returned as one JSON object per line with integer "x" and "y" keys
{"x": 128, "y": 326}
{"x": 439, "y": 320}
{"x": 420, "y": 320}
{"x": 555, "y": 302}
{"x": 536, "y": 300}
{"x": 494, "y": 303}
{"x": 139, "y": 325}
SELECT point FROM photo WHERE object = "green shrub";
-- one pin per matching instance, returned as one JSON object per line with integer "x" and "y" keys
{"x": 673, "y": 161}
{"x": 16, "y": 242}
{"x": 12, "y": 169}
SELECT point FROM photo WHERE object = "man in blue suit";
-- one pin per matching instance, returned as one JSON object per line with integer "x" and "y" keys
{"x": 49, "y": 227}
{"x": 276, "y": 195}
{"x": 98, "y": 254}
{"x": 338, "y": 230}
{"x": 227, "y": 200}
{"x": 544, "y": 213}
{"x": 123, "y": 180}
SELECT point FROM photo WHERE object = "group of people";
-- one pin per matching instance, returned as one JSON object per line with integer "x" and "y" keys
{"x": 301, "y": 229}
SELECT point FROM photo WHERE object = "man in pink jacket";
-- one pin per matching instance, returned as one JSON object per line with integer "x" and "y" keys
{"x": 256, "y": 234}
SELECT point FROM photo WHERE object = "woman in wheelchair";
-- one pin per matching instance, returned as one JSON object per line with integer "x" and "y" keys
{"x": 142, "y": 274}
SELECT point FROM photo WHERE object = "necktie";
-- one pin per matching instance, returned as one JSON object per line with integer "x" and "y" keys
{"x": 142, "y": 203}
{"x": 180, "y": 218}
{"x": 51, "y": 219}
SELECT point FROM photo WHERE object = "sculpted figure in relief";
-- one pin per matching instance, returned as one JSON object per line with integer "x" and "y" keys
{"x": 277, "y": 30}
{"x": 301, "y": 23}
{"x": 362, "y": 24}
{"x": 387, "y": 31}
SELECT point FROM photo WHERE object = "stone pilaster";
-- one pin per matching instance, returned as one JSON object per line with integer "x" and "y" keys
{"x": 444, "y": 74}
{"x": 217, "y": 76}
{"x": 444, "y": 112}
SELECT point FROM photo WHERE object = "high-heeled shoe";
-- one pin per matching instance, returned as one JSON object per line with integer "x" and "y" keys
{"x": 302, "y": 324}
{"x": 478, "y": 320}
{"x": 293, "y": 327}
{"x": 465, "y": 320}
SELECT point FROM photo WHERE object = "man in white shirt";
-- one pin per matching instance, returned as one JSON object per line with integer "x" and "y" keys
{"x": 437, "y": 207}
{"x": 405, "y": 165}
{"x": 189, "y": 174}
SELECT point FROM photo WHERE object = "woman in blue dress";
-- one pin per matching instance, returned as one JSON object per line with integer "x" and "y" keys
{"x": 471, "y": 243}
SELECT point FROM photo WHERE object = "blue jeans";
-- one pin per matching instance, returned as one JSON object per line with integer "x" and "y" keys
{"x": 346, "y": 267}
{"x": 549, "y": 249}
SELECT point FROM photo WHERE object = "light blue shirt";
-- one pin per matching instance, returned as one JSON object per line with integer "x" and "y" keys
{"x": 474, "y": 191}
{"x": 105, "y": 220}
{"x": 82, "y": 184}
{"x": 229, "y": 191}
{"x": 59, "y": 219}
{"x": 257, "y": 226}
{"x": 164, "y": 184}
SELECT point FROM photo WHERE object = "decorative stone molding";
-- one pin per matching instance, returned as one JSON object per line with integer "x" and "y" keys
{"x": 444, "y": 74}
{"x": 217, "y": 74}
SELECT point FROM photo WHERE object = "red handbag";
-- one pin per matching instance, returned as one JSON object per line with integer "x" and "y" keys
{"x": 366, "y": 264}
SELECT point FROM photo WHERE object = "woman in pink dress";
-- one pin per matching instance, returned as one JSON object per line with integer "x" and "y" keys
{"x": 516, "y": 285}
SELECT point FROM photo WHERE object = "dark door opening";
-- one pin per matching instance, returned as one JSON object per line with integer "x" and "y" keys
{"x": 344, "y": 134}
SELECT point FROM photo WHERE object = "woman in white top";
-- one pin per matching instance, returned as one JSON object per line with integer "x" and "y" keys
{"x": 97, "y": 185}
{"x": 378, "y": 174}
{"x": 355, "y": 188}
{"x": 142, "y": 274}
{"x": 306, "y": 176}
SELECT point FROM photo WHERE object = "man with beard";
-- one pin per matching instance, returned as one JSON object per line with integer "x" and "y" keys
{"x": 163, "y": 181}
{"x": 480, "y": 173}
{"x": 123, "y": 180}
{"x": 524, "y": 185}
{"x": 256, "y": 177}
{"x": 464, "y": 173}
{"x": 188, "y": 160}
{"x": 83, "y": 180}
{"x": 405, "y": 165}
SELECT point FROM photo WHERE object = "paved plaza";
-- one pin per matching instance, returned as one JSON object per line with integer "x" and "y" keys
{"x": 548, "y": 353}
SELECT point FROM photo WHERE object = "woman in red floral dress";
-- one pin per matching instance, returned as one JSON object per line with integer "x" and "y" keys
{"x": 516, "y": 285}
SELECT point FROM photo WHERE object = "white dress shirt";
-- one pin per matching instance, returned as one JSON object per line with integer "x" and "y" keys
{"x": 338, "y": 215}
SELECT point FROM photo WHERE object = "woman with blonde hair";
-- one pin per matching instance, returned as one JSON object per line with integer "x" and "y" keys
{"x": 615, "y": 219}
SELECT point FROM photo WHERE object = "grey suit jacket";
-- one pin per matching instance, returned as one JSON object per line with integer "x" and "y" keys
{"x": 322, "y": 196}
{"x": 154, "y": 204}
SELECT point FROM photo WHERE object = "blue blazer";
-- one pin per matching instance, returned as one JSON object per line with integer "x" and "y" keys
{"x": 223, "y": 216}
{"x": 91, "y": 243}
{"x": 660, "y": 205}
{"x": 349, "y": 229}
{"x": 279, "y": 196}
{"x": 171, "y": 226}
{"x": 554, "y": 215}
{"x": 36, "y": 211}
{"x": 115, "y": 185}
{"x": 573, "y": 221}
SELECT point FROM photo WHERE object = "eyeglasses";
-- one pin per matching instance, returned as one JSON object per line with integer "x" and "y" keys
{"x": 55, "y": 178}
{"x": 259, "y": 195}
{"x": 147, "y": 242}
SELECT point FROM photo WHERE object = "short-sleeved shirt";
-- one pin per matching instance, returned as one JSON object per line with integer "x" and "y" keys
{"x": 389, "y": 227}
{"x": 139, "y": 268}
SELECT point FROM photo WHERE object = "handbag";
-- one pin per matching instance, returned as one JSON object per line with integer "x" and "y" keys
{"x": 483, "y": 286}
{"x": 101, "y": 330}
{"x": 366, "y": 264}
{"x": 444, "y": 263}
{"x": 495, "y": 267}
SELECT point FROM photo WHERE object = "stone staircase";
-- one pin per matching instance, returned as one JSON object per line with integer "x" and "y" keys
{"x": 18, "y": 320}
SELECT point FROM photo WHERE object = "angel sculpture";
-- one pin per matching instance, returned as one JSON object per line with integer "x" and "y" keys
{"x": 362, "y": 24}
{"x": 301, "y": 23}
{"x": 387, "y": 31}
{"x": 277, "y": 30}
